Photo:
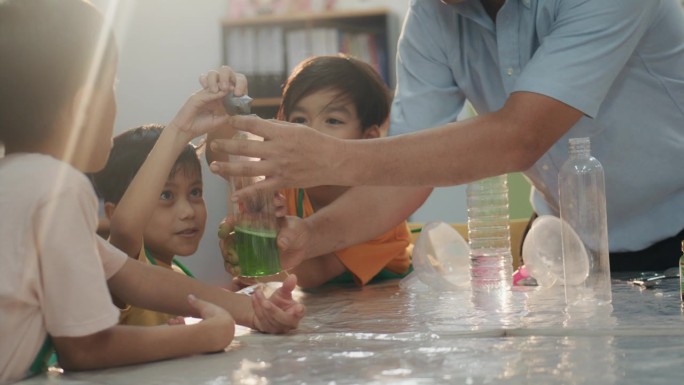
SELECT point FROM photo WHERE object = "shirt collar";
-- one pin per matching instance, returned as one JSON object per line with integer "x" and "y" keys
{"x": 473, "y": 9}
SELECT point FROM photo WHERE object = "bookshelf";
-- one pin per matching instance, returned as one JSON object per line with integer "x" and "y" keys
{"x": 266, "y": 48}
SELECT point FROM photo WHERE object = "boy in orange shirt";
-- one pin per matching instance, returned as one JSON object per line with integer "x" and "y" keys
{"x": 346, "y": 98}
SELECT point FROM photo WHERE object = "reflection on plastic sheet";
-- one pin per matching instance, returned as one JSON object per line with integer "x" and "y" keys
{"x": 382, "y": 334}
{"x": 248, "y": 373}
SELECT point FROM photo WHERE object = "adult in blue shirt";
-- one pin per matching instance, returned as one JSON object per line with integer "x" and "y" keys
{"x": 538, "y": 72}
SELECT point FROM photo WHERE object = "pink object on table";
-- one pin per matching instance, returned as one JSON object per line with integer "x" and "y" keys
{"x": 520, "y": 274}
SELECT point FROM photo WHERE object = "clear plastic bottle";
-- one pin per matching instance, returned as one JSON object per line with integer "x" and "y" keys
{"x": 581, "y": 185}
{"x": 489, "y": 233}
{"x": 681, "y": 275}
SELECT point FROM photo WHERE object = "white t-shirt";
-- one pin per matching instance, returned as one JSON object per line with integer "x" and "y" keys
{"x": 53, "y": 267}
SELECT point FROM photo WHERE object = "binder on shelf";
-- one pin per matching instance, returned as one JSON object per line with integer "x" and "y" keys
{"x": 267, "y": 48}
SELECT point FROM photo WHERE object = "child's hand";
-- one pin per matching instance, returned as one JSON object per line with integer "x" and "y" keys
{"x": 200, "y": 115}
{"x": 279, "y": 313}
{"x": 225, "y": 79}
{"x": 226, "y": 235}
{"x": 220, "y": 323}
{"x": 203, "y": 112}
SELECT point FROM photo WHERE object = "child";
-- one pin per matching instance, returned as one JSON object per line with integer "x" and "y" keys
{"x": 167, "y": 213}
{"x": 57, "y": 111}
{"x": 346, "y": 98}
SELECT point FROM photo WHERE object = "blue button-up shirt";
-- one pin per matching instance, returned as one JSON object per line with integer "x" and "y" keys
{"x": 620, "y": 62}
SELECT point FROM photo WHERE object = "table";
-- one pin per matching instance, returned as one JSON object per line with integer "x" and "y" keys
{"x": 383, "y": 334}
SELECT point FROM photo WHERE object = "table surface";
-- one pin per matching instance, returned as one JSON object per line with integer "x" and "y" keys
{"x": 383, "y": 334}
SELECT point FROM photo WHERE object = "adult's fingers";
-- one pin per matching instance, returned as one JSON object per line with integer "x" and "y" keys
{"x": 266, "y": 128}
{"x": 247, "y": 148}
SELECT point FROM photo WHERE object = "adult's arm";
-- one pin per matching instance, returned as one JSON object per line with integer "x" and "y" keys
{"x": 362, "y": 213}
{"x": 508, "y": 140}
{"x": 556, "y": 87}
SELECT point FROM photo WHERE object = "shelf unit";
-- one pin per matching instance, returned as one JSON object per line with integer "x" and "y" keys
{"x": 265, "y": 48}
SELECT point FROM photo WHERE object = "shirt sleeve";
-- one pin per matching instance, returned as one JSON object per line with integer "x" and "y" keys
{"x": 75, "y": 298}
{"x": 112, "y": 258}
{"x": 426, "y": 94}
{"x": 589, "y": 44}
{"x": 364, "y": 261}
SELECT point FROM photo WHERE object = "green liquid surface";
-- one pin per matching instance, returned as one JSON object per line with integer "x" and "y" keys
{"x": 257, "y": 251}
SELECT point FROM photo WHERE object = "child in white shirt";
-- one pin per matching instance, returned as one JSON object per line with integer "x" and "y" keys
{"x": 57, "y": 111}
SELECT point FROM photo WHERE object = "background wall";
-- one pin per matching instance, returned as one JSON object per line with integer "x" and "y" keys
{"x": 166, "y": 44}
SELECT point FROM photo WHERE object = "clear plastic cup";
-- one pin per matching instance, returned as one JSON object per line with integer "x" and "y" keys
{"x": 543, "y": 253}
{"x": 256, "y": 226}
{"x": 440, "y": 258}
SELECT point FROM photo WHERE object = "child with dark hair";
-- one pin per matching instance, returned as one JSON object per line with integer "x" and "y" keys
{"x": 152, "y": 231}
{"x": 346, "y": 98}
{"x": 57, "y": 110}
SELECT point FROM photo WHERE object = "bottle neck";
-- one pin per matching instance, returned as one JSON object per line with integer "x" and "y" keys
{"x": 579, "y": 147}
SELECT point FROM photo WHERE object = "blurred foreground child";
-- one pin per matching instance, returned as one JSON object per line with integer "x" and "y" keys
{"x": 57, "y": 109}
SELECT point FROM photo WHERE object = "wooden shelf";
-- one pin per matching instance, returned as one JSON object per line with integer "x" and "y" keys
{"x": 266, "y": 102}
{"x": 361, "y": 33}
{"x": 304, "y": 17}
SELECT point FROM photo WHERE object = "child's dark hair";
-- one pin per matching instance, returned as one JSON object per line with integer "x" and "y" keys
{"x": 128, "y": 154}
{"x": 47, "y": 48}
{"x": 355, "y": 80}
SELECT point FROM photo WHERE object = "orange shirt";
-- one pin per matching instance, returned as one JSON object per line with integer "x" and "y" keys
{"x": 364, "y": 261}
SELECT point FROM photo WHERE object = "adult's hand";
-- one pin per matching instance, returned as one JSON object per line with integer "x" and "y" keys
{"x": 294, "y": 238}
{"x": 226, "y": 235}
{"x": 292, "y": 155}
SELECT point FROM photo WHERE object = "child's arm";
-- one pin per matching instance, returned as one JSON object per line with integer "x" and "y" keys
{"x": 198, "y": 116}
{"x": 238, "y": 86}
{"x": 163, "y": 290}
{"x": 123, "y": 345}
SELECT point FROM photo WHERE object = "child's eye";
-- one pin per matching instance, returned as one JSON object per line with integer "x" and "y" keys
{"x": 196, "y": 193}
{"x": 334, "y": 121}
{"x": 298, "y": 120}
{"x": 166, "y": 195}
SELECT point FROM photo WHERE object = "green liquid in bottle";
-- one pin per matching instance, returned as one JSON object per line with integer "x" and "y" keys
{"x": 257, "y": 251}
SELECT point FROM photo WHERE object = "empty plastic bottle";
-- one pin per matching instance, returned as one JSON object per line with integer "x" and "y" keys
{"x": 581, "y": 185}
{"x": 489, "y": 233}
